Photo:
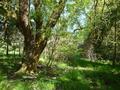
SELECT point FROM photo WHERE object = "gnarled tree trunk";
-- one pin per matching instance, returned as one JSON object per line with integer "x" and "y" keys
{"x": 35, "y": 44}
{"x": 32, "y": 52}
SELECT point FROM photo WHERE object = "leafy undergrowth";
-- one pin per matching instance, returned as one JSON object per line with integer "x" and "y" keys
{"x": 76, "y": 75}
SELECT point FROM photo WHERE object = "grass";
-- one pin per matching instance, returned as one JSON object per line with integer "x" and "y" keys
{"x": 77, "y": 74}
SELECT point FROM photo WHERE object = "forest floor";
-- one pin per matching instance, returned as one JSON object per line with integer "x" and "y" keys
{"x": 78, "y": 74}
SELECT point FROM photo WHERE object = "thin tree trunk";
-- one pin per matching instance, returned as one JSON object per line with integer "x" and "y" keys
{"x": 115, "y": 45}
{"x": 7, "y": 49}
{"x": 19, "y": 49}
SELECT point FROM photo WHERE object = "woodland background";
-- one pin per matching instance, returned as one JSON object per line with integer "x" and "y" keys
{"x": 59, "y": 44}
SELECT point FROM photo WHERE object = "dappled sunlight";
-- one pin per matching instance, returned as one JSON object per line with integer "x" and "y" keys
{"x": 59, "y": 44}
{"x": 92, "y": 75}
{"x": 18, "y": 86}
{"x": 5, "y": 85}
{"x": 78, "y": 73}
{"x": 82, "y": 68}
{"x": 62, "y": 75}
{"x": 62, "y": 65}
{"x": 26, "y": 85}
{"x": 85, "y": 76}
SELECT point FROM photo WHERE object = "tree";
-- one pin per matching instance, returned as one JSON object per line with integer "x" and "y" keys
{"x": 100, "y": 24}
{"x": 101, "y": 40}
{"x": 34, "y": 44}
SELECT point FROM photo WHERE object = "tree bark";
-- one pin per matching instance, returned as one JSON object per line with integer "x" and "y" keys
{"x": 32, "y": 52}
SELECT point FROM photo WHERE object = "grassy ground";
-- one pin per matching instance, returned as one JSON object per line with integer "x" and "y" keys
{"x": 78, "y": 74}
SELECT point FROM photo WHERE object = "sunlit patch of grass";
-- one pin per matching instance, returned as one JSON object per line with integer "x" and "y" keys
{"x": 42, "y": 59}
{"x": 18, "y": 85}
{"x": 26, "y": 85}
{"x": 62, "y": 65}
{"x": 84, "y": 68}
{"x": 3, "y": 85}
{"x": 44, "y": 85}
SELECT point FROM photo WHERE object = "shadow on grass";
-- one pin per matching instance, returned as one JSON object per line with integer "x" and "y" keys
{"x": 9, "y": 64}
{"x": 89, "y": 80}
{"x": 87, "y": 75}
{"x": 82, "y": 62}
{"x": 86, "y": 63}
{"x": 100, "y": 77}
{"x": 72, "y": 80}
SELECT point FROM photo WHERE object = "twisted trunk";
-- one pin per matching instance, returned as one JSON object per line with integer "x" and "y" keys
{"x": 35, "y": 44}
{"x": 32, "y": 52}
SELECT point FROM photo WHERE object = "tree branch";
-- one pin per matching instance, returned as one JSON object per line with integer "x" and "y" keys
{"x": 52, "y": 20}
{"x": 38, "y": 14}
{"x": 56, "y": 14}
{"x": 24, "y": 17}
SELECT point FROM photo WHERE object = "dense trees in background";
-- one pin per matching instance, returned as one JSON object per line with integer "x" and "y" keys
{"x": 105, "y": 22}
{"x": 61, "y": 29}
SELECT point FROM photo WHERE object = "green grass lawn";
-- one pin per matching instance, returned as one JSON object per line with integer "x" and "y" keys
{"x": 78, "y": 74}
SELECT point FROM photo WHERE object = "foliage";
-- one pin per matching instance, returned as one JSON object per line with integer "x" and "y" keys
{"x": 79, "y": 41}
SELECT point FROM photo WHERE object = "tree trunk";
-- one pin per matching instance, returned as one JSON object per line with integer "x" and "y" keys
{"x": 35, "y": 44}
{"x": 89, "y": 51}
{"x": 19, "y": 49}
{"x": 115, "y": 45}
{"x": 7, "y": 49}
{"x": 32, "y": 52}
